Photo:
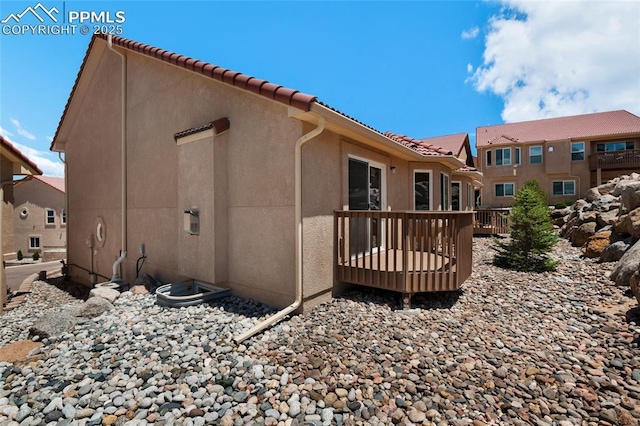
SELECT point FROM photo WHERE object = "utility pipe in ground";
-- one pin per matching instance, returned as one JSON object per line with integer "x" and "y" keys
{"x": 298, "y": 218}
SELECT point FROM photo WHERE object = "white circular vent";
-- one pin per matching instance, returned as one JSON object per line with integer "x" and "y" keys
{"x": 24, "y": 213}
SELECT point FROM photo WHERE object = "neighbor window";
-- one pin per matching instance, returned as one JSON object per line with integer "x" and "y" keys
{"x": 577, "y": 151}
{"x": 615, "y": 146}
{"x": 444, "y": 191}
{"x": 488, "y": 157}
{"x": 63, "y": 217}
{"x": 34, "y": 243}
{"x": 517, "y": 156}
{"x": 505, "y": 189}
{"x": 535, "y": 154}
{"x": 50, "y": 217}
{"x": 503, "y": 156}
{"x": 564, "y": 187}
{"x": 422, "y": 190}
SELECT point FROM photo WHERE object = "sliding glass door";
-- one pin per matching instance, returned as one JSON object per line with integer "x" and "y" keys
{"x": 366, "y": 192}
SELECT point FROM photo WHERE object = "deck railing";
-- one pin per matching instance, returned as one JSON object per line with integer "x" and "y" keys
{"x": 404, "y": 251}
{"x": 616, "y": 160}
{"x": 491, "y": 222}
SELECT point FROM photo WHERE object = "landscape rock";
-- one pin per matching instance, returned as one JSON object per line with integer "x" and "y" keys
{"x": 596, "y": 244}
{"x": 630, "y": 195}
{"x": 592, "y": 195}
{"x": 608, "y": 217}
{"x": 146, "y": 280}
{"x": 54, "y": 323}
{"x": 628, "y": 264}
{"x": 106, "y": 293}
{"x": 615, "y": 251}
{"x": 631, "y": 223}
{"x": 582, "y": 233}
{"x": 139, "y": 289}
{"x": 94, "y": 307}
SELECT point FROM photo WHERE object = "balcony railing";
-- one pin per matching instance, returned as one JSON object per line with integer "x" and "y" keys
{"x": 491, "y": 222}
{"x": 407, "y": 252}
{"x": 616, "y": 160}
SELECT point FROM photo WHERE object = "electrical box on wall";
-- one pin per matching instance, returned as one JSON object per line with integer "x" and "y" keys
{"x": 192, "y": 221}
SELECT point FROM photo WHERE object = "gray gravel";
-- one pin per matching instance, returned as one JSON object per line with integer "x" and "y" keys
{"x": 510, "y": 348}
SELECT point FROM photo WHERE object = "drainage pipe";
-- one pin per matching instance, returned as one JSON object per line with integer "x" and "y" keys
{"x": 123, "y": 153}
{"x": 298, "y": 218}
{"x": 66, "y": 209}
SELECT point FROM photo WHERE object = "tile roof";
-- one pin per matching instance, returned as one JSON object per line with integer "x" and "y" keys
{"x": 601, "y": 124}
{"x": 261, "y": 87}
{"x": 55, "y": 182}
{"x": 15, "y": 151}
{"x": 220, "y": 125}
{"x": 453, "y": 143}
{"x": 418, "y": 145}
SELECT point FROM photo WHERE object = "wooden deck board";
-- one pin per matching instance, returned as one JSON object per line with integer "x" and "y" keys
{"x": 391, "y": 261}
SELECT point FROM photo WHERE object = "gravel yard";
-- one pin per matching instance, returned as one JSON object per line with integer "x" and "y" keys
{"x": 510, "y": 348}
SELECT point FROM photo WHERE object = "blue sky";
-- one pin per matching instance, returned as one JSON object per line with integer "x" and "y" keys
{"x": 418, "y": 68}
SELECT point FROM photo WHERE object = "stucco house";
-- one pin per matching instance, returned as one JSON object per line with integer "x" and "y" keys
{"x": 39, "y": 217}
{"x": 240, "y": 182}
{"x": 567, "y": 155}
{"x": 12, "y": 163}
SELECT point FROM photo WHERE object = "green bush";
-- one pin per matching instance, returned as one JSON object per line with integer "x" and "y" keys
{"x": 36, "y": 256}
{"x": 20, "y": 255}
{"x": 531, "y": 233}
{"x": 563, "y": 204}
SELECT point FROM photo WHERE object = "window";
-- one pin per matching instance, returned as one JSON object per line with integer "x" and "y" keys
{"x": 63, "y": 217}
{"x": 564, "y": 187}
{"x": 577, "y": 151}
{"x": 488, "y": 157}
{"x": 535, "y": 154}
{"x": 503, "y": 156}
{"x": 422, "y": 190}
{"x": 456, "y": 196}
{"x": 444, "y": 191}
{"x": 50, "y": 217}
{"x": 34, "y": 243}
{"x": 505, "y": 189}
{"x": 469, "y": 197}
{"x": 517, "y": 155}
{"x": 615, "y": 146}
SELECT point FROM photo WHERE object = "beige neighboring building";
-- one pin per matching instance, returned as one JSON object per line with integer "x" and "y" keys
{"x": 567, "y": 155}
{"x": 236, "y": 181}
{"x": 40, "y": 220}
{"x": 12, "y": 163}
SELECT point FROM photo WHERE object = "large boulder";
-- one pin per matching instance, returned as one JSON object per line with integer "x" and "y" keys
{"x": 106, "y": 293}
{"x": 614, "y": 251}
{"x": 605, "y": 203}
{"x": 592, "y": 195}
{"x": 606, "y": 188}
{"x": 634, "y": 284}
{"x": 54, "y": 323}
{"x": 596, "y": 244}
{"x": 94, "y": 307}
{"x": 630, "y": 196}
{"x": 627, "y": 266}
{"x": 582, "y": 233}
{"x": 560, "y": 213}
{"x": 604, "y": 218}
{"x": 629, "y": 224}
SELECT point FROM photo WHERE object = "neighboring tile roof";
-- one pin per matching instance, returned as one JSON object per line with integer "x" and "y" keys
{"x": 55, "y": 182}
{"x": 15, "y": 151}
{"x": 601, "y": 124}
{"x": 220, "y": 125}
{"x": 453, "y": 143}
{"x": 418, "y": 145}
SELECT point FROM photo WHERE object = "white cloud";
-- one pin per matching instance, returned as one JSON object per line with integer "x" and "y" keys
{"x": 5, "y": 133}
{"x": 469, "y": 68}
{"x": 42, "y": 159}
{"x": 470, "y": 33}
{"x": 548, "y": 59}
{"x": 21, "y": 130}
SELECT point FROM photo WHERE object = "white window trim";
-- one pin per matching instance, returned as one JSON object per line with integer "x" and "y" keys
{"x": 583, "y": 151}
{"x": 541, "y": 154}
{"x": 63, "y": 217}
{"x": 470, "y": 194}
{"x": 448, "y": 180}
{"x": 39, "y": 242}
{"x": 495, "y": 160}
{"x": 563, "y": 182}
{"x": 517, "y": 159}
{"x": 487, "y": 153}
{"x": 430, "y": 172}
{"x": 47, "y": 217}
{"x": 383, "y": 184}
{"x": 495, "y": 193}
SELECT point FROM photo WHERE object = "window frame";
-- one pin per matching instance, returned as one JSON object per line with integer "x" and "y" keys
{"x": 63, "y": 217}
{"x": 488, "y": 158}
{"x": 452, "y": 184}
{"x": 495, "y": 189}
{"x": 502, "y": 156}
{"x": 469, "y": 197}
{"x": 35, "y": 237}
{"x": 517, "y": 156}
{"x": 580, "y": 151}
{"x": 49, "y": 217}
{"x": 445, "y": 196}
{"x": 541, "y": 155}
{"x": 604, "y": 146}
{"x": 563, "y": 182}
{"x": 430, "y": 173}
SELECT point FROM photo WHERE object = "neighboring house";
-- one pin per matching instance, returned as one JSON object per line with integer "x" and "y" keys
{"x": 233, "y": 180}
{"x": 12, "y": 163}
{"x": 567, "y": 155}
{"x": 40, "y": 219}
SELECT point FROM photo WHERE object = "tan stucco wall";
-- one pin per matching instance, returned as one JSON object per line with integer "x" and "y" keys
{"x": 36, "y": 197}
{"x": 6, "y": 174}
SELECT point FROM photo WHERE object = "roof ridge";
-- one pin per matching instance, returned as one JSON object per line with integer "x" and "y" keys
{"x": 9, "y": 145}
{"x": 560, "y": 117}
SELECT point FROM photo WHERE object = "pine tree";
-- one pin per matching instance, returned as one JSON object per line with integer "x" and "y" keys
{"x": 532, "y": 237}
